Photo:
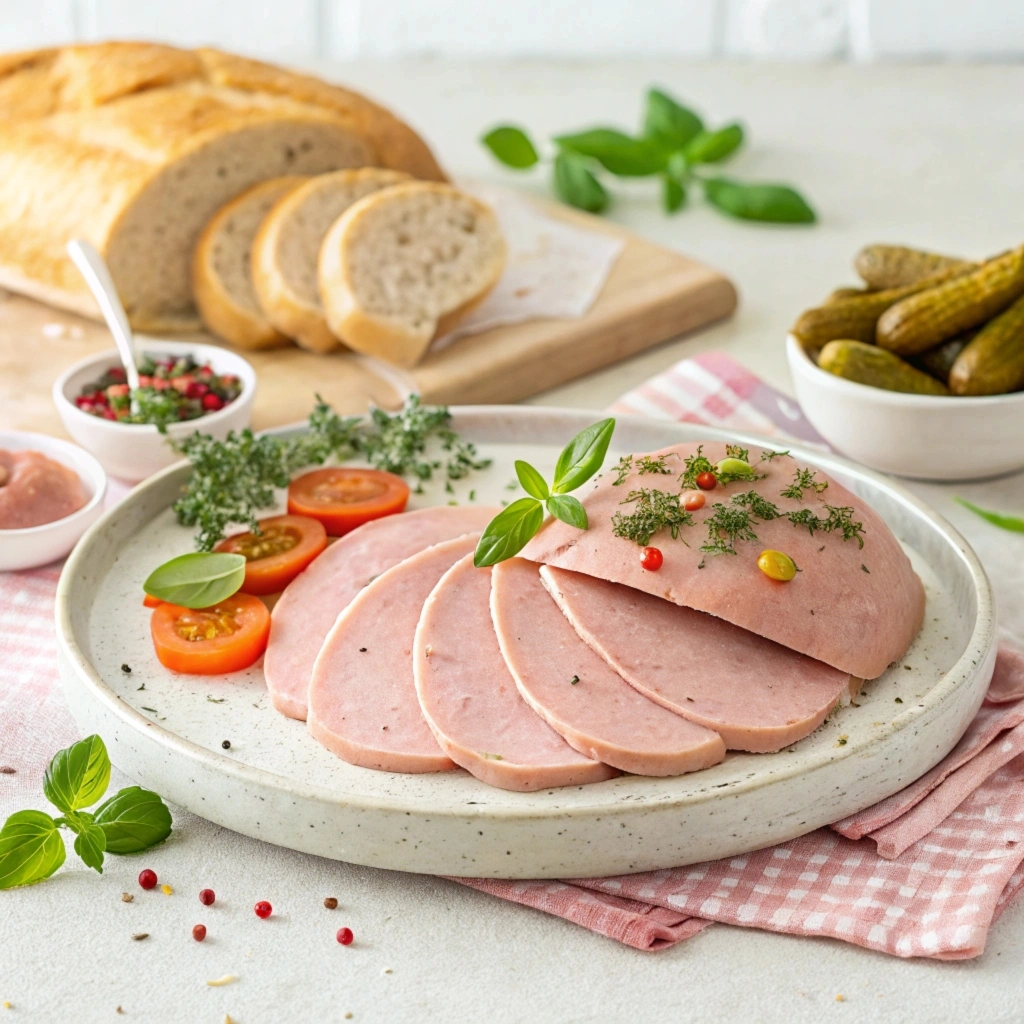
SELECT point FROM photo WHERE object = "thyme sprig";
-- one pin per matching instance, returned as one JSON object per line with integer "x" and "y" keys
{"x": 759, "y": 506}
{"x": 803, "y": 480}
{"x": 235, "y": 478}
{"x": 655, "y": 510}
{"x": 727, "y": 525}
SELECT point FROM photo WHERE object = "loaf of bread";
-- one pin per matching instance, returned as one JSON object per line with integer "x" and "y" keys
{"x": 222, "y": 267}
{"x": 405, "y": 264}
{"x": 136, "y": 146}
{"x": 286, "y": 248}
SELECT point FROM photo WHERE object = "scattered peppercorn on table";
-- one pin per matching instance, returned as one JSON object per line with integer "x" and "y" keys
{"x": 919, "y": 155}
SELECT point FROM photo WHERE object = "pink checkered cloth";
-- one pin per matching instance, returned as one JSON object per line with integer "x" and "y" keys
{"x": 924, "y": 873}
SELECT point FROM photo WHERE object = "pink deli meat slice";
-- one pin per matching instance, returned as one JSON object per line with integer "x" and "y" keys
{"x": 578, "y": 694}
{"x": 362, "y": 698}
{"x": 470, "y": 700}
{"x": 756, "y": 694}
{"x": 312, "y": 602}
{"x": 854, "y": 608}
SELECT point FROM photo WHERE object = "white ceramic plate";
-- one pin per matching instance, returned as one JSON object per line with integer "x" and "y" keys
{"x": 278, "y": 784}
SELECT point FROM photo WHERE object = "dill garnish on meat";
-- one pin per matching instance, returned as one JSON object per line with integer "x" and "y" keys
{"x": 803, "y": 480}
{"x": 838, "y": 519}
{"x": 655, "y": 510}
{"x": 643, "y": 465}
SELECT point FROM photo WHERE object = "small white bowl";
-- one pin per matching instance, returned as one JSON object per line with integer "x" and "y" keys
{"x": 133, "y": 451}
{"x": 924, "y": 437}
{"x": 40, "y": 545}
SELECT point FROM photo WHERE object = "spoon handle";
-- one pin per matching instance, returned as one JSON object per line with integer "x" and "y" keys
{"x": 97, "y": 276}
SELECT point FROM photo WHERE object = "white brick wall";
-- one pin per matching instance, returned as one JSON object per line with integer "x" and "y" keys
{"x": 344, "y": 29}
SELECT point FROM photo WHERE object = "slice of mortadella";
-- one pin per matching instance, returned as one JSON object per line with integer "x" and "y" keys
{"x": 578, "y": 694}
{"x": 312, "y": 602}
{"x": 470, "y": 700}
{"x": 854, "y": 607}
{"x": 756, "y": 694}
{"x": 362, "y": 697}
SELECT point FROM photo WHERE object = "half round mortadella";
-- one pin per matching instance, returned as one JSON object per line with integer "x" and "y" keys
{"x": 756, "y": 694}
{"x": 856, "y": 608}
{"x": 362, "y": 697}
{"x": 470, "y": 700}
{"x": 578, "y": 694}
{"x": 312, "y": 602}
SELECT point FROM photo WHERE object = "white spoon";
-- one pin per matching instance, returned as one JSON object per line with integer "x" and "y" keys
{"x": 97, "y": 276}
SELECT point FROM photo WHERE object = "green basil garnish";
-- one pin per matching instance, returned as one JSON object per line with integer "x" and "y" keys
{"x": 1012, "y": 523}
{"x": 31, "y": 846}
{"x": 510, "y": 530}
{"x": 198, "y": 579}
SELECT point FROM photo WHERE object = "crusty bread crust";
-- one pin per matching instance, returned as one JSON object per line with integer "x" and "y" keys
{"x": 221, "y": 311}
{"x": 292, "y": 313}
{"x": 89, "y": 130}
{"x": 391, "y": 338}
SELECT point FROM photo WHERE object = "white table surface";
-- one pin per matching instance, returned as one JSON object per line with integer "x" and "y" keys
{"x": 930, "y": 155}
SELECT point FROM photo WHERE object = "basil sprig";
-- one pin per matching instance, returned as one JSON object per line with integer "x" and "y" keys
{"x": 31, "y": 846}
{"x": 198, "y": 579}
{"x": 508, "y": 532}
{"x": 673, "y": 144}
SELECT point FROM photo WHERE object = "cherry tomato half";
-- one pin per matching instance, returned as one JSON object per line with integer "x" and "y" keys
{"x": 343, "y": 498}
{"x": 276, "y": 556}
{"x": 225, "y": 637}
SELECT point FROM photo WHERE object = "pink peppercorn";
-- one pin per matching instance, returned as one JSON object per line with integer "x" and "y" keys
{"x": 345, "y": 936}
{"x": 147, "y": 879}
{"x": 263, "y": 909}
{"x": 206, "y": 897}
{"x": 199, "y": 932}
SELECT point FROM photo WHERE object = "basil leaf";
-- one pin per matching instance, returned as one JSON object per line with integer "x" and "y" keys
{"x": 576, "y": 186}
{"x": 512, "y": 146}
{"x": 667, "y": 121}
{"x": 533, "y": 483}
{"x": 133, "y": 820}
{"x": 507, "y": 533}
{"x": 198, "y": 579}
{"x": 582, "y": 457}
{"x": 1012, "y": 523}
{"x": 673, "y": 194}
{"x": 710, "y": 147}
{"x": 568, "y": 509}
{"x": 78, "y": 776}
{"x": 90, "y": 844}
{"x": 776, "y": 204}
{"x": 31, "y": 849}
{"x": 617, "y": 152}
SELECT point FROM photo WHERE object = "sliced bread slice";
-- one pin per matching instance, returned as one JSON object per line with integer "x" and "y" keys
{"x": 403, "y": 265}
{"x": 286, "y": 247}
{"x": 221, "y": 274}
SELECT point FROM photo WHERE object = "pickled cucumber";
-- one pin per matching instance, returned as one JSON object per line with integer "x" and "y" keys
{"x": 993, "y": 362}
{"x": 894, "y": 266}
{"x": 856, "y": 318}
{"x": 939, "y": 361}
{"x": 868, "y": 364}
{"x": 932, "y": 316}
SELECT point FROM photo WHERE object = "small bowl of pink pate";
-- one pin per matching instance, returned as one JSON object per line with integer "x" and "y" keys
{"x": 51, "y": 492}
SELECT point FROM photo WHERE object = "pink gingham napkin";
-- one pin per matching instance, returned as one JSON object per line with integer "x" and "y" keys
{"x": 924, "y": 873}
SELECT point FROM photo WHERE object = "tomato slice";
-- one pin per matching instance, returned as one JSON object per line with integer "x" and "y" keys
{"x": 343, "y": 498}
{"x": 276, "y": 556}
{"x": 225, "y": 637}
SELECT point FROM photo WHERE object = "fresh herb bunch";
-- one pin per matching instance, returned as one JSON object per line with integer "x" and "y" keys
{"x": 726, "y": 525}
{"x": 673, "y": 144}
{"x": 693, "y": 466}
{"x": 510, "y": 530}
{"x": 233, "y": 479}
{"x": 838, "y": 519}
{"x": 655, "y": 510}
{"x": 133, "y": 820}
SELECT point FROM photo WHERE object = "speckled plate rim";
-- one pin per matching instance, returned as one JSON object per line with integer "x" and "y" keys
{"x": 540, "y": 423}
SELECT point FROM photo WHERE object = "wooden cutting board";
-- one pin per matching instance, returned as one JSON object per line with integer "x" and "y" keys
{"x": 652, "y": 294}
